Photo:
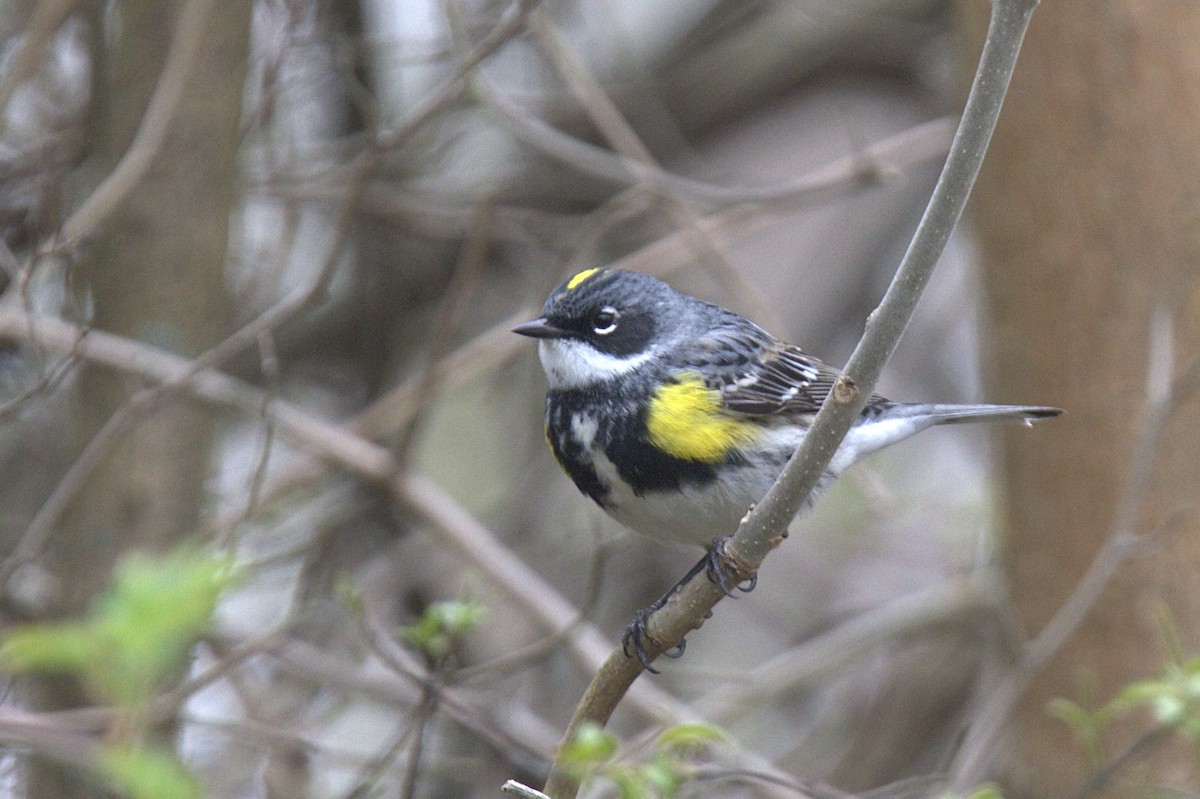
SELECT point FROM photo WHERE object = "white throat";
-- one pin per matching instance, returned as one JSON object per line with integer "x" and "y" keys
{"x": 574, "y": 364}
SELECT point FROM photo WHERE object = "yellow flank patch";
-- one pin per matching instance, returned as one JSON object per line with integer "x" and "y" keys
{"x": 580, "y": 277}
{"x": 686, "y": 420}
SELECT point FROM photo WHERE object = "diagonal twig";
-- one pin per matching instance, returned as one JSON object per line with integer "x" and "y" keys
{"x": 766, "y": 525}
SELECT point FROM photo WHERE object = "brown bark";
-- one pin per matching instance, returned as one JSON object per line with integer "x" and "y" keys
{"x": 154, "y": 271}
{"x": 1087, "y": 211}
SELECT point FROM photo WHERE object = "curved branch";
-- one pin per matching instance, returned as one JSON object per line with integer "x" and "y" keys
{"x": 765, "y": 526}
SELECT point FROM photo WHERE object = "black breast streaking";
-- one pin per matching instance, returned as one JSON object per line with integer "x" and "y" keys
{"x": 612, "y": 420}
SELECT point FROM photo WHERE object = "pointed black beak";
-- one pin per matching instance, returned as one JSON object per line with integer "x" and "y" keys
{"x": 540, "y": 328}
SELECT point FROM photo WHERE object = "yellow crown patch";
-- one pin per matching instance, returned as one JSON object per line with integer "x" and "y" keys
{"x": 574, "y": 282}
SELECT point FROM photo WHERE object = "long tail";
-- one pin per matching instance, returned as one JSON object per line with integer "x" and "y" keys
{"x": 885, "y": 423}
{"x": 954, "y": 414}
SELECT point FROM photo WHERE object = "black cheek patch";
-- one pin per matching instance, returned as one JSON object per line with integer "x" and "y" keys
{"x": 631, "y": 336}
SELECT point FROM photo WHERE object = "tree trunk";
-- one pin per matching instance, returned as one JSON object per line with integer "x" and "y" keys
{"x": 154, "y": 271}
{"x": 1087, "y": 212}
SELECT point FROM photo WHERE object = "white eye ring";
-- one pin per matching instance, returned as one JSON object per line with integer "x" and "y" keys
{"x": 604, "y": 329}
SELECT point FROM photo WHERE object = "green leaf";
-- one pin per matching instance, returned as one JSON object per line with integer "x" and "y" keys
{"x": 1087, "y": 726}
{"x": 1169, "y": 709}
{"x": 1077, "y": 718}
{"x": 50, "y": 648}
{"x": 590, "y": 745}
{"x": 1143, "y": 692}
{"x": 137, "y": 633}
{"x": 150, "y": 617}
{"x": 140, "y": 773}
{"x": 440, "y": 625}
{"x": 986, "y": 792}
{"x": 691, "y": 736}
{"x": 663, "y": 776}
{"x": 629, "y": 782}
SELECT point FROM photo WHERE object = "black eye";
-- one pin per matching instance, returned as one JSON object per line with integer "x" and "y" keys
{"x": 605, "y": 320}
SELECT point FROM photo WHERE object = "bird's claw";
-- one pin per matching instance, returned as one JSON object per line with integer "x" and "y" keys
{"x": 722, "y": 569}
{"x": 636, "y": 634}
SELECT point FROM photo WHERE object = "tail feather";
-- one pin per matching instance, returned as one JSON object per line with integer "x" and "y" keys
{"x": 955, "y": 414}
{"x": 885, "y": 423}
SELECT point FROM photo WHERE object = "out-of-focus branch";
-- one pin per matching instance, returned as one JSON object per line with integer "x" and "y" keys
{"x": 496, "y": 346}
{"x": 766, "y": 525}
{"x": 47, "y": 17}
{"x": 955, "y": 600}
{"x": 916, "y": 145}
{"x": 445, "y": 519}
{"x": 1164, "y": 395}
{"x": 509, "y": 26}
{"x": 151, "y": 133}
{"x": 461, "y": 286}
{"x": 624, "y": 139}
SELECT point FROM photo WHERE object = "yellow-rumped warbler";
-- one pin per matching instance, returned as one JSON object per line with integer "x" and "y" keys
{"x": 676, "y": 415}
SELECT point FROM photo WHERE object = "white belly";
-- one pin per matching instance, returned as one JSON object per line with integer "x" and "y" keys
{"x": 692, "y": 514}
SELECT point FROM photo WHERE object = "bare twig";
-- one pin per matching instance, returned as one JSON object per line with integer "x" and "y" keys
{"x": 268, "y": 358}
{"x": 39, "y": 529}
{"x": 523, "y": 791}
{"x": 924, "y": 141}
{"x": 460, "y": 288}
{"x": 509, "y": 26}
{"x": 49, "y": 379}
{"x": 624, "y": 139}
{"x": 956, "y": 599}
{"x": 1138, "y": 747}
{"x": 373, "y": 463}
{"x": 766, "y": 525}
{"x": 430, "y": 683}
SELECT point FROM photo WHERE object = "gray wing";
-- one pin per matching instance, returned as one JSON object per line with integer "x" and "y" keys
{"x": 757, "y": 374}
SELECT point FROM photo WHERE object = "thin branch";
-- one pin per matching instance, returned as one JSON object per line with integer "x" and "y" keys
{"x": 1138, "y": 747}
{"x": 523, "y": 743}
{"x": 49, "y": 380}
{"x": 522, "y": 791}
{"x": 151, "y": 133}
{"x": 461, "y": 287}
{"x": 268, "y": 357}
{"x": 40, "y": 528}
{"x": 444, "y": 517}
{"x": 430, "y": 682}
{"x": 924, "y": 141}
{"x": 508, "y": 27}
{"x": 617, "y": 131}
{"x": 956, "y": 599}
{"x": 766, "y": 525}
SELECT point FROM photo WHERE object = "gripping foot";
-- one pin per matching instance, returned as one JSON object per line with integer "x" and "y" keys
{"x": 719, "y": 567}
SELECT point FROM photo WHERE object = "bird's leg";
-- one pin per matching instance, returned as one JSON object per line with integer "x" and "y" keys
{"x": 635, "y": 631}
{"x": 719, "y": 567}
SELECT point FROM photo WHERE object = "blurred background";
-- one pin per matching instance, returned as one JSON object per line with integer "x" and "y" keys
{"x": 345, "y": 207}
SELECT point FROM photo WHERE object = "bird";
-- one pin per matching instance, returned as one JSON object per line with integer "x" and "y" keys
{"x": 676, "y": 415}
